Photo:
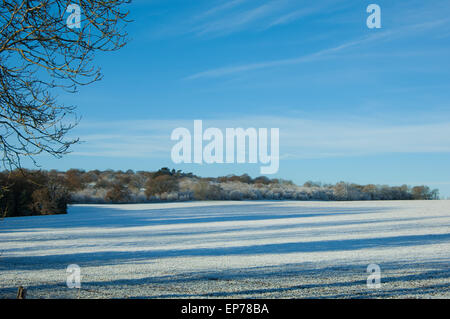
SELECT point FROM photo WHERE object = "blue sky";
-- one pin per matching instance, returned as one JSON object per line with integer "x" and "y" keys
{"x": 352, "y": 103}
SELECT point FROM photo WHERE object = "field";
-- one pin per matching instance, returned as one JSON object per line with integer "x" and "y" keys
{"x": 231, "y": 250}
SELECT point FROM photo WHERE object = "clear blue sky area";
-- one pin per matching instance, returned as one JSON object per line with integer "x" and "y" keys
{"x": 352, "y": 103}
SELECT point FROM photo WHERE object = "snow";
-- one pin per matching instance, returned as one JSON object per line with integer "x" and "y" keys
{"x": 259, "y": 249}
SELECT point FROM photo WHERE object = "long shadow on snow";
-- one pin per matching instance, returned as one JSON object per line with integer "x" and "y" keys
{"x": 113, "y": 257}
{"x": 441, "y": 271}
{"x": 107, "y": 217}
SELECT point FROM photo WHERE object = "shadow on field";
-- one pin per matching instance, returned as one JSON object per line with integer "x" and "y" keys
{"x": 286, "y": 281}
{"x": 103, "y": 258}
{"x": 95, "y": 226}
{"x": 110, "y": 217}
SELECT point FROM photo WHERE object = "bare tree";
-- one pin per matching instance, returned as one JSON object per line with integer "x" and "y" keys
{"x": 42, "y": 52}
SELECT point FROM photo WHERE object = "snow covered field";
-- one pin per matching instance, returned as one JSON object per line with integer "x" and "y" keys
{"x": 231, "y": 250}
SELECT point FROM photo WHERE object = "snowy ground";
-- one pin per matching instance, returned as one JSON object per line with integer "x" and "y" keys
{"x": 231, "y": 250}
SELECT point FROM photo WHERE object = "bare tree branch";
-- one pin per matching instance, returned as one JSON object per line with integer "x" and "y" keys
{"x": 40, "y": 54}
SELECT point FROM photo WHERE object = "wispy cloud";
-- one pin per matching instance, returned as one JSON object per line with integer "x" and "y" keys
{"x": 409, "y": 30}
{"x": 236, "y": 21}
{"x": 228, "y": 17}
{"x": 293, "y": 16}
{"x": 299, "y": 138}
{"x": 213, "y": 73}
{"x": 227, "y": 5}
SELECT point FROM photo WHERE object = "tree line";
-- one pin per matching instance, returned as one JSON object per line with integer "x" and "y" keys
{"x": 39, "y": 192}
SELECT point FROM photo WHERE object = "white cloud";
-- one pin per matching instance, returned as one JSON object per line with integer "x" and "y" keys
{"x": 293, "y": 16}
{"x": 299, "y": 138}
{"x": 223, "y": 71}
{"x": 228, "y": 17}
{"x": 227, "y": 5}
{"x": 236, "y": 21}
{"x": 409, "y": 30}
